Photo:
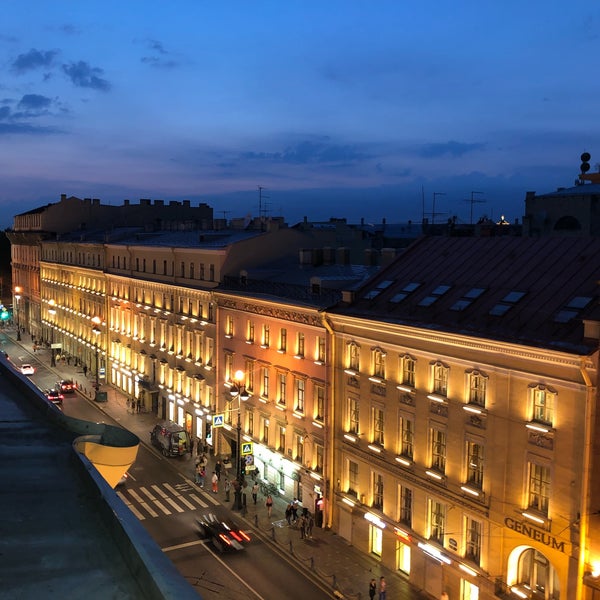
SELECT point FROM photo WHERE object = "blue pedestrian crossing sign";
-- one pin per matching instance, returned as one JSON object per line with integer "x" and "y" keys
{"x": 247, "y": 448}
{"x": 218, "y": 420}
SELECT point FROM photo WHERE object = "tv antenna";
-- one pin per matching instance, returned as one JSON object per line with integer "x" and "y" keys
{"x": 262, "y": 212}
{"x": 433, "y": 213}
{"x": 472, "y": 201}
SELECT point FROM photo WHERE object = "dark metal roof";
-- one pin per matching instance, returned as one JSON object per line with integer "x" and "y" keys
{"x": 534, "y": 291}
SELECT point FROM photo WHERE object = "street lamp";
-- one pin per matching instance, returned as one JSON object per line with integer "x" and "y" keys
{"x": 96, "y": 331}
{"x": 52, "y": 313}
{"x": 238, "y": 390}
{"x": 17, "y": 298}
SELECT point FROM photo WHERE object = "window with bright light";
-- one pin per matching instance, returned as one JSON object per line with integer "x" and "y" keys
{"x": 437, "y": 520}
{"x": 539, "y": 487}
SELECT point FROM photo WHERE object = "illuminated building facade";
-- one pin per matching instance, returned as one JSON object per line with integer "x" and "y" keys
{"x": 465, "y": 417}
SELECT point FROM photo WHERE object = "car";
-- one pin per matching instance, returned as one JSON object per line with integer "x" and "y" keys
{"x": 27, "y": 369}
{"x": 123, "y": 479}
{"x": 224, "y": 535}
{"x": 66, "y": 386}
{"x": 54, "y": 396}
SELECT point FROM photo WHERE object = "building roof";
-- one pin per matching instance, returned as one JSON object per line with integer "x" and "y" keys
{"x": 533, "y": 291}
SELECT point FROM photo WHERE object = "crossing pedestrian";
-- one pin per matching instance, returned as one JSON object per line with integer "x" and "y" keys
{"x": 215, "y": 482}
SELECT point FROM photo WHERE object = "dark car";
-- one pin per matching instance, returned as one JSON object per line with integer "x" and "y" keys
{"x": 224, "y": 535}
{"x": 55, "y": 397}
{"x": 66, "y": 386}
{"x": 170, "y": 438}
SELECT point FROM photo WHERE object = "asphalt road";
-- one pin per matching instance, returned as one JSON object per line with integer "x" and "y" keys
{"x": 168, "y": 505}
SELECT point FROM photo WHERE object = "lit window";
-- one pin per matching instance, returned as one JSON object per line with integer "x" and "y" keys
{"x": 407, "y": 368}
{"x": 353, "y": 415}
{"x": 437, "y": 521}
{"x": 543, "y": 404}
{"x": 477, "y": 388}
{"x": 377, "y": 483}
{"x": 539, "y": 487}
{"x": 440, "y": 378}
{"x": 406, "y": 501}
{"x": 407, "y": 434}
{"x": 352, "y": 487}
{"x": 300, "y": 389}
{"x": 379, "y": 363}
{"x": 378, "y": 421}
{"x": 353, "y": 356}
{"x": 474, "y": 464}
{"x": 472, "y": 540}
{"x": 438, "y": 449}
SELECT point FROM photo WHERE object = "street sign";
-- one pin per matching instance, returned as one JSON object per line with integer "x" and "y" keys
{"x": 247, "y": 448}
{"x": 218, "y": 420}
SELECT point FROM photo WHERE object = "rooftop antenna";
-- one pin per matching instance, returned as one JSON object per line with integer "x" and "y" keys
{"x": 433, "y": 213}
{"x": 473, "y": 201}
{"x": 262, "y": 212}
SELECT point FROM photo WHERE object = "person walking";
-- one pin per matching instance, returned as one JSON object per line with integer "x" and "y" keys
{"x": 255, "y": 492}
{"x": 294, "y": 510}
{"x": 197, "y": 473}
{"x": 372, "y": 588}
{"x": 227, "y": 489}
{"x": 215, "y": 482}
{"x": 288, "y": 513}
{"x": 269, "y": 504}
{"x": 218, "y": 467}
{"x": 310, "y": 522}
{"x": 382, "y": 588}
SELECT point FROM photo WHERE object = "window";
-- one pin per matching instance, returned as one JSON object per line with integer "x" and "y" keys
{"x": 299, "y": 447}
{"x": 407, "y": 434}
{"x": 353, "y": 415}
{"x": 300, "y": 345}
{"x": 250, "y": 422}
{"x": 474, "y": 464}
{"x": 250, "y": 375}
{"x": 378, "y": 420}
{"x": 265, "y": 382}
{"x": 265, "y": 431}
{"x": 405, "y": 496}
{"x": 300, "y": 388}
{"x": 281, "y": 438}
{"x": 440, "y": 378}
{"x": 228, "y": 367}
{"x": 354, "y": 356}
{"x": 472, "y": 539}
{"x": 407, "y": 370}
{"x": 319, "y": 402}
{"x": 539, "y": 487}
{"x": 320, "y": 349}
{"x": 438, "y": 449}
{"x": 319, "y": 452}
{"x": 266, "y": 336}
{"x": 543, "y": 404}
{"x": 281, "y": 388}
{"x": 229, "y": 327}
{"x": 352, "y": 478}
{"x": 283, "y": 340}
{"x": 377, "y": 483}
{"x": 437, "y": 521}
{"x": 379, "y": 363}
{"x": 250, "y": 332}
{"x": 477, "y": 388}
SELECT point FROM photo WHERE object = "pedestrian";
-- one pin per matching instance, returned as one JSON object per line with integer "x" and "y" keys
{"x": 85, "y": 370}
{"x": 218, "y": 468}
{"x": 288, "y": 513}
{"x": 127, "y": 402}
{"x": 372, "y": 588}
{"x": 227, "y": 489}
{"x": 310, "y": 522}
{"x": 215, "y": 482}
{"x": 269, "y": 504}
{"x": 198, "y": 471}
{"x": 192, "y": 446}
{"x": 255, "y": 492}
{"x": 294, "y": 510}
{"x": 139, "y": 405}
{"x": 382, "y": 586}
{"x": 302, "y": 526}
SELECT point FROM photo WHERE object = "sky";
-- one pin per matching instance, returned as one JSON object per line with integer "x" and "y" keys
{"x": 360, "y": 109}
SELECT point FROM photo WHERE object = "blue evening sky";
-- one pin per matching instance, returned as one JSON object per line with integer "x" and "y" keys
{"x": 362, "y": 109}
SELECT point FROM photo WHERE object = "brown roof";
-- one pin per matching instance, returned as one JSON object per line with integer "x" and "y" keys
{"x": 534, "y": 291}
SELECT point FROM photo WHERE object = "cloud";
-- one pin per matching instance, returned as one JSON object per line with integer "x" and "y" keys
{"x": 26, "y": 128}
{"x": 34, "y": 102}
{"x": 161, "y": 61}
{"x": 308, "y": 152}
{"x": 83, "y": 75}
{"x": 34, "y": 59}
{"x": 450, "y": 148}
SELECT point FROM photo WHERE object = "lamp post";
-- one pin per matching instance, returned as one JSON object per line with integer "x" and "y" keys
{"x": 17, "y": 298}
{"x": 238, "y": 390}
{"x": 52, "y": 312}
{"x": 96, "y": 331}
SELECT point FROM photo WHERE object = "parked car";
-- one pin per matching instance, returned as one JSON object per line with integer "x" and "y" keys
{"x": 66, "y": 386}
{"x": 224, "y": 535}
{"x": 170, "y": 438}
{"x": 27, "y": 369}
{"x": 55, "y": 396}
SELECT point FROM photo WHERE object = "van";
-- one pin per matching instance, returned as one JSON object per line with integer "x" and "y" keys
{"x": 171, "y": 439}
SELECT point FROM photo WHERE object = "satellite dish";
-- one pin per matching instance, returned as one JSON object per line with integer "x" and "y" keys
{"x": 585, "y": 157}
{"x": 585, "y": 167}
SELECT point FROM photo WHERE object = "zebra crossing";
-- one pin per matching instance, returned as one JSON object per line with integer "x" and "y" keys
{"x": 161, "y": 499}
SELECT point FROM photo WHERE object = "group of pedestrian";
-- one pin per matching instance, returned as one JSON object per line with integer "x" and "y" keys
{"x": 291, "y": 512}
{"x": 373, "y": 588}
{"x": 306, "y": 523}
{"x": 134, "y": 405}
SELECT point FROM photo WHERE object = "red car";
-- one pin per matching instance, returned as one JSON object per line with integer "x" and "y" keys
{"x": 55, "y": 396}
{"x": 66, "y": 386}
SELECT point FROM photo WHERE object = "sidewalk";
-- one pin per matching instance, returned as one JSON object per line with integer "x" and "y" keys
{"x": 326, "y": 556}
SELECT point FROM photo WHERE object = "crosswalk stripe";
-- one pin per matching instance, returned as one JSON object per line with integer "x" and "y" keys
{"x": 131, "y": 506}
{"x": 155, "y": 500}
{"x": 179, "y": 496}
{"x": 198, "y": 500}
{"x": 143, "y": 503}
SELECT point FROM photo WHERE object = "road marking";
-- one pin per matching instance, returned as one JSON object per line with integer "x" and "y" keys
{"x": 186, "y": 545}
{"x": 131, "y": 506}
{"x": 198, "y": 500}
{"x": 155, "y": 500}
{"x": 179, "y": 496}
{"x": 240, "y": 579}
{"x": 142, "y": 502}
{"x": 166, "y": 498}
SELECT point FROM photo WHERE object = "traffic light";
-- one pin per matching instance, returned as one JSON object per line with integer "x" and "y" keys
{"x": 242, "y": 468}
{"x": 4, "y": 314}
